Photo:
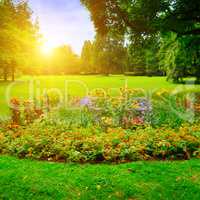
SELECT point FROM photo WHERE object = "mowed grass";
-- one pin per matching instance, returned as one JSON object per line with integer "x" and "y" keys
{"x": 26, "y": 179}
{"x": 27, "y": 86}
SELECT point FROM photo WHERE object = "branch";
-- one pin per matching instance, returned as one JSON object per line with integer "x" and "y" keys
{"x": 191, "y": 32}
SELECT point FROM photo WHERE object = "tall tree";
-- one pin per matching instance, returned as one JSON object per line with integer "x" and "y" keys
{"x": 18, "y": 36}
{"x": 105, "y": 55}
{"x": 87, "y": 56}
{"x": 111, "y": 54}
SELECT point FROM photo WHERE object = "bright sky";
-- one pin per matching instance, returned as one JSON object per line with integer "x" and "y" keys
{"x": 63, "y": 22}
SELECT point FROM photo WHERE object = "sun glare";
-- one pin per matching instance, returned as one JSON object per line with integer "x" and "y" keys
{"x": 47, "y": 49}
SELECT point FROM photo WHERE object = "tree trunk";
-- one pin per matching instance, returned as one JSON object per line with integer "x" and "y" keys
{"x": 198, "y": 76}
{"x": 197, "y": 67}
{"x": 5, "y": 73}
{"x": 13, "y": 73}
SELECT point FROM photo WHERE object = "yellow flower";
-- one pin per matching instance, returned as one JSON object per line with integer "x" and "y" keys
{"x": 161, "y": 92}
{"x": 107, "y": 120}
{"x": 135, "y": 105}
{"x": 1, "y": 136}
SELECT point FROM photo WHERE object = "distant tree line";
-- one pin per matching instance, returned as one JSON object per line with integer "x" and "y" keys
{"x": 61, "y": 61}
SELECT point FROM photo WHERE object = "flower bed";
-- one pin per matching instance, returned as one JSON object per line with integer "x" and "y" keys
{"x": 46, "y": 140}
{"x": 100, "y": 127}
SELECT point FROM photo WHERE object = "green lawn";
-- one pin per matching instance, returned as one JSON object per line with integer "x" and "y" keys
{"x": 26, "y": 179}
{"x": 23, "y": 86}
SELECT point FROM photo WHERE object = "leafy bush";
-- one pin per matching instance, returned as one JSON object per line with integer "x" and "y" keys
{"x": 167, "y": 112}
{"x": 174, "y": 110}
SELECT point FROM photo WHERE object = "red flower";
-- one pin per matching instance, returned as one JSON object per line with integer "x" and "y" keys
{"x": 15, "y": 102}
{"x": 137, "y": 121}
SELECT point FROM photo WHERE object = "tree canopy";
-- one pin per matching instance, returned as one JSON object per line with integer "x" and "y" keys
{"x": 145, "y": 16}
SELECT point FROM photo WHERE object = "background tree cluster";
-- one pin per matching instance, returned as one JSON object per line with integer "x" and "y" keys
{"x": 20, "y": 43}
{"x": 18, "y": 37}
{"x": 162, "y": 35}
{"x": 105, "y": 56}
{"x": 62, "y": 61}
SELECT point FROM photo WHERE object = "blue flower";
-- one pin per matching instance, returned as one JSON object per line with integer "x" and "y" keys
{"x": 85, "y": 101}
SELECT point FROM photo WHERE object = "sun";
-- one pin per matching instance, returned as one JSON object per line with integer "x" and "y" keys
{"x": 47, "y": 49}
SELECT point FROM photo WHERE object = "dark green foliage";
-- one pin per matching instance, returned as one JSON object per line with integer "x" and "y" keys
{"x": 145, "y": 16}
{"x": 143, "y": 57}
